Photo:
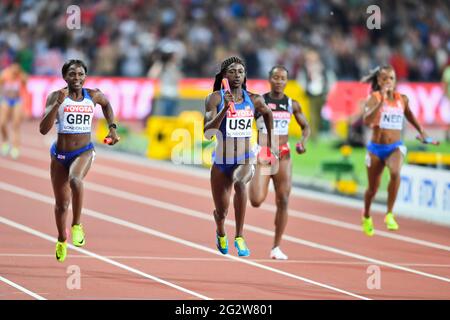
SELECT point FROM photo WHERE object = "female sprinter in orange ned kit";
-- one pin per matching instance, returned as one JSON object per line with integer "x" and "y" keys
{"x": 73, "y": 152}
{"x": 384, "y": 112}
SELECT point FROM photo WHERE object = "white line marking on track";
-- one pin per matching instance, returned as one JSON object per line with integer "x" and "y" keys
{"x": 134, "y": 226}
{"x": 19, "y": 287}
{"x": 99, "y": 257}
{"x": 203, "y": 173}
{"x": 205, "y": 193}
{"x": 196, "y": 259}
{"x": 194, "y": 213}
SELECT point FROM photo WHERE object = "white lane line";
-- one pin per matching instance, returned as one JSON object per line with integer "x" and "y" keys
{"x": 162, "y": 235}
{"x": 199, "y": 172}
{"x": 357, "y": 228}
{"x": 197, "y": 214}
{"x": 99, "y": 257}
{"x": 196, "y": 259}
{"x": 203, "y": 173}
{"x": 175, "y": 186}
{"x": 19, "y": 287}
{"x": 205, "y": 193}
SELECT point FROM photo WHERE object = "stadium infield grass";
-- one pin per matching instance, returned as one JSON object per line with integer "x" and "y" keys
{"x": 308, "y": 166}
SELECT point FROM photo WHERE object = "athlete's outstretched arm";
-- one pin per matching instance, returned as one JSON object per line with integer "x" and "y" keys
{"x": 262, "y": 108}
{"x": 1, "y": 83}
{"x": 102, "y": 100}
{"x": 212, "y": 120}
{"x": 54, "y": 100}
{"x": 302, "y": 122}
{"x": 412, "y": 119}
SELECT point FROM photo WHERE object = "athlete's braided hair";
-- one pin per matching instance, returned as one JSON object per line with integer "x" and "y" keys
{"x": 223, "y": 67}
{"x": 373, "y": 75}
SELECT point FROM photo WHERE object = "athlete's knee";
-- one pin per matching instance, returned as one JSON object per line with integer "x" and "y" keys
{"x": 220, "y": 214}
{"x": 61, "y": 207}
{"x": 395, "y": 175}
{"x": 76, "y": 183}
{"x": 371, "y": 192}
{"x": 282, "y": 201}
{"x": 256, "y": 202}
{"x": 240, "y": 186}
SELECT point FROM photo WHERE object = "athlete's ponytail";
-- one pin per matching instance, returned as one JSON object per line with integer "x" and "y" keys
{"x": 223, "y": 67}
{"x": 372, "y": 77}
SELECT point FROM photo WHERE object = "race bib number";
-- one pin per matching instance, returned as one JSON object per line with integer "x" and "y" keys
{"x": 78, "y": 119}
{"x": 281, "y": 123}
{"x": 391, "y": 118}
{"x": 11, "y": 86}
{"x": 239, "y": 125}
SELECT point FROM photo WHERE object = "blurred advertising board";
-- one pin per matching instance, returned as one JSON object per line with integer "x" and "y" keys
{"x": 426, "y": 100}
{"x": 131, "y": 98}
{"x": 424, "y": 194}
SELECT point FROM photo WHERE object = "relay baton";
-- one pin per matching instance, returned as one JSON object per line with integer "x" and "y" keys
{"x": 108, "y": 140}
{"x": 226, "y": 86}
{"x": 428, "y": 140}
{"x": 299, "y": 147}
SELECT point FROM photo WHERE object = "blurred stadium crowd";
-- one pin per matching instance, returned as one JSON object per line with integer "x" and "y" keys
{"x": 125, "y": 38}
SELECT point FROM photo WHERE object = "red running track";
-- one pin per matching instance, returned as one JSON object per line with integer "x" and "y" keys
{"x": 150, "y": 235}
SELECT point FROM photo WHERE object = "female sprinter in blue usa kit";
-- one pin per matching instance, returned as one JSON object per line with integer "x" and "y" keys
{"x": 233, "y": 165}
{"x": 73, "y": 152}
